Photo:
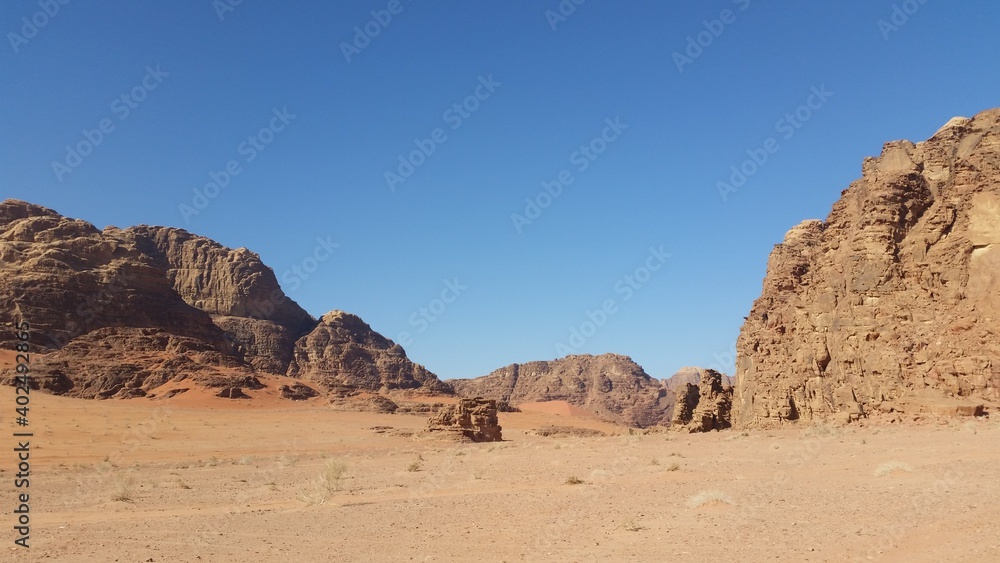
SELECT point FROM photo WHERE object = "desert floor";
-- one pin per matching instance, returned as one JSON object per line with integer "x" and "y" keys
{"x": 204, "y": 479}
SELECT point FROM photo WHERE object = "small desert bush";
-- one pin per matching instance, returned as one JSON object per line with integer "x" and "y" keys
{"x": 123, "y": 491}
{"x": 329, "y": 481}
{"x": 705, "y": 497}
{"x": 673, "y": 466}
{"x": 631, "y": 526}
{"x": 890, "y": 466}
{"x": 574, "y": 480}
{"x": 333, "y": 474}
{"x": 415, "y": 466}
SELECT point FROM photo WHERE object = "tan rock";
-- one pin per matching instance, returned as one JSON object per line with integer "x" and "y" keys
{"x": 610, "y": 386}
{"x": 896, "y": 292}
{"x": 475, "y": 419}
{"x": 343, "y": 351}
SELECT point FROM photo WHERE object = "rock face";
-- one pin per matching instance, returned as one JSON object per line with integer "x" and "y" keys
{"x": 69, "y": 278}
{"x": 475, "y": 419}
{"x": 611, "y": 386}
{"x": 894, "y": 295}
{"x": 705, "y": 405}
{"x": 117, "y": 313}
{"x": 233, "y": 286}
{"x": 343, "y": 351}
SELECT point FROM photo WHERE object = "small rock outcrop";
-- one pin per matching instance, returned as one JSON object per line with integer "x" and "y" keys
{"x": 894, "y": 298}
{"x": 704, "y": 406}
{"x": 297, "y": 392}
{"x": 610, "y": 386}
{"x": 474, "y": 419}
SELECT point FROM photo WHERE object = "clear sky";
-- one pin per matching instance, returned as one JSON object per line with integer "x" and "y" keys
{"x": 614, "y": 105}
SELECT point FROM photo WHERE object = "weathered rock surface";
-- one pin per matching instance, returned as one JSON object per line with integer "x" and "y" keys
{"x": 705, "y": 405}
{"x": 238, "y": 290}
{"x": 474, "y": 419}
{"x": 122, "y": 361}
{"x": 611, "y": 386}
{"x": 69, "y": 278}
{"x": 343, "y": 351}
{"x": 895, "y": 294}
{"x": 297, "y": 392}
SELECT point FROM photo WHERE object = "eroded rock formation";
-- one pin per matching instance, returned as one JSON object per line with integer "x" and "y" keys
{"x": 611, "y": 386}
{"x": 894, "y": 295}
{"x": 705, "y": 405}
{"x": 343, "y": 351}
{"x": 233, "y": 286}
{"x": 474, "y": 419}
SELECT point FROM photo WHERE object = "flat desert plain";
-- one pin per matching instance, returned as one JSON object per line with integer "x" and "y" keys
{"x": 198, "y": 478}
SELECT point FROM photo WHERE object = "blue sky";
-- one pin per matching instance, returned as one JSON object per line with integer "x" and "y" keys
{"x": 436, "y": 261}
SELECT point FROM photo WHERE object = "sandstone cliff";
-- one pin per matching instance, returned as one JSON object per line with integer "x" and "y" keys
{"x": 240, "y": 293}
{"x": 894, "y": 297}
{"x": 611, "y": 386}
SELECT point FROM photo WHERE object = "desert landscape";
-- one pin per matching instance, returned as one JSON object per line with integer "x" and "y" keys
{"x": 568, "y": 281}
{"x": 182, "y": 408}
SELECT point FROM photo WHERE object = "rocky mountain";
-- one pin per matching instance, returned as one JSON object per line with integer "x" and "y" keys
{"x": 894, "y": 299}
{"x": 117, "y": 313}
{"x": 343, "y": 351}
{"x": 611, "y": 386}
{"x": 234, "y": 287}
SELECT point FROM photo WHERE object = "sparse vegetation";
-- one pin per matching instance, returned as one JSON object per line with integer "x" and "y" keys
{"x": 182, "y": 484}
{"x": 574, "y": 480}
{"x": 705, "y": 497}
{"x": 329, "y": 481}
{"x": 673, "y": 466}
{"x": 890, "y": 466}
{"x": 632, "y": 526}
{"x": 123, "y": 491}
{"x": 415, "y": 466}
{"x": 333, "y": 474}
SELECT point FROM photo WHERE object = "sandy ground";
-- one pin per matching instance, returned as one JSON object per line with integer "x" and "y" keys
{"x": 209, "y": 479}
